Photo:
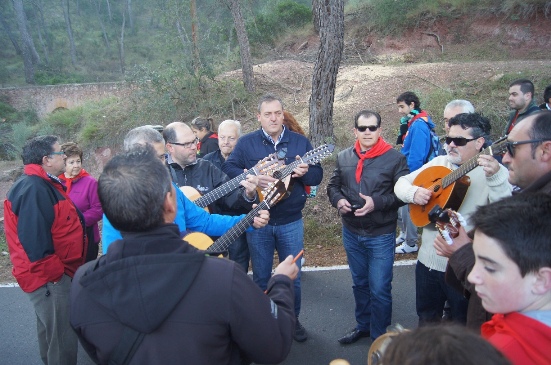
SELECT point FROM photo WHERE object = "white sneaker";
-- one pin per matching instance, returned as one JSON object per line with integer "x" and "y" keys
{"x": 401, "y": 238}
{"x": 405, "y": 248}
{"x": 302, "y": 261}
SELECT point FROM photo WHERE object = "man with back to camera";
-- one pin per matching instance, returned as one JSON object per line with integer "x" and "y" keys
{"x": 465, "y": 139}
{"x": 361, "y": 188}
{"x": 229, "y": 132}
{"x": 46, "y": 238}
{"x": 285, "y": 231}
{"x": 528, "y": 160}
{"x": 189, "y": 217}
{"x": 521, "y": 100}
{"x": 156, "y": 295}
{"x": 415, "y": 126}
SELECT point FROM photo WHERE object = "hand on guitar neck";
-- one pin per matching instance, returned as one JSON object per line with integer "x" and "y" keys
{"x": 250, "y": 183}
{"x": 453, "y": 236}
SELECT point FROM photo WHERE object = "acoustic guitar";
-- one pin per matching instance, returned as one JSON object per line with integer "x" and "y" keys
{"x": 266, "y": 166}
{"x": 273, "y": 194}
{"x": 311, "y": 157}
{"x": 448, "y": 187}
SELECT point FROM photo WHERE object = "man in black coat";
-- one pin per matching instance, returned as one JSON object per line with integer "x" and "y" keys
{"x": 161, "y": 301}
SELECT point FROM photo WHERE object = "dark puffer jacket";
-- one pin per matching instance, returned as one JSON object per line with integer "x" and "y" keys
{"x": 192, "y": 308}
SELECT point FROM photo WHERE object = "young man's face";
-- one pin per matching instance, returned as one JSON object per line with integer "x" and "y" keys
{"x": 497, "y": 279}
{"x": 404, "y": 109}
{"x": 517, "y": 99}
{"x": 367, "y": 138}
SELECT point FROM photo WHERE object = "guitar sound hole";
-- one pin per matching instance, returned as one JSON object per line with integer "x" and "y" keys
{"x": 436, "y": 188}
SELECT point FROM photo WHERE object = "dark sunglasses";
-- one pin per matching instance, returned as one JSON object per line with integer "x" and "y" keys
{"x": 372, "y": 128}
{"x": 511, "y": 145}
{"x": 459, "y": 141}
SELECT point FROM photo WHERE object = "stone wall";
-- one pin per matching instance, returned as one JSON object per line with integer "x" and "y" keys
{"x": 46, "y": 99}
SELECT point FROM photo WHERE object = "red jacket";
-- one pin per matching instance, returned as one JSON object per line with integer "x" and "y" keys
{"x": 44, "y": 230}
{"x": 523, "y": 340}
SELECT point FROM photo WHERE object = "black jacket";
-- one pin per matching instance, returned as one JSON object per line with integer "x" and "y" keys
{"x": 193, "y": 309}
{"x": 205, "y": 177}
{"x": 379, "y": 175}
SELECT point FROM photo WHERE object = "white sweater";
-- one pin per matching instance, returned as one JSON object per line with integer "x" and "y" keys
{"x": 483, "y": 190}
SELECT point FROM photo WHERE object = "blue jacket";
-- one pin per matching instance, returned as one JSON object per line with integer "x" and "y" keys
{"x": 417, "y": 143}
{"x": 254, "y": 146}
{"x": 188, "y": 217}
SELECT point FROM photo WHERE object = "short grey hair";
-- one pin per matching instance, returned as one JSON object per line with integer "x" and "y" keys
{"x": 228, "y": 122}
{"x": 268, "y": 98}
{"x": 465, "y": 105}
{"x": 142, "y": 135}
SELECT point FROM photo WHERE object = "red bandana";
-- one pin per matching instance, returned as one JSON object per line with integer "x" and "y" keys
{"x": 378, "y": 149}
{"x": 69, "y": 180}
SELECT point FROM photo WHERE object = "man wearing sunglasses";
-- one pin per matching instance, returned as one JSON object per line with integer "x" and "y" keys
{"x": 489, "y": 183}
{"x": 47, "y": 242}
{"x": 361, "y": 189}
{"x": 528, "y": 158}
{"x": 188, "y": 170}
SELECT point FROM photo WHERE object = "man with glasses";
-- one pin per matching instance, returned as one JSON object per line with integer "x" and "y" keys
{"x": 361, "y": 189}
{"x": 285, "y": 231}
{"x": 188, "y": 170}
{"x": 488, "y": 183}
{"x": 46, "y": 238}
{"x": 528, "y": 159}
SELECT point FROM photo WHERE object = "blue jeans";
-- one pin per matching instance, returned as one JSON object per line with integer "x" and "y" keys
{"x": 239, "y": 252}
{"x": 371, "y": 259}
{"x": 287, "y": 239}
{"x": 431, "y": 292}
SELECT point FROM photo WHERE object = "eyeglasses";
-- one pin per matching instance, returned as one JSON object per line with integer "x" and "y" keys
{"x": 187, "y": 144}
{"x": 363, "y": 128}
{"x": 57, "y": 153}
{"x": 459, "y": 141}
{"x": 511, "y": 145}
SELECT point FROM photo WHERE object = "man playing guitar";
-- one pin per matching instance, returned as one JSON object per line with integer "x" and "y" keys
{"x": 488, "y": 182}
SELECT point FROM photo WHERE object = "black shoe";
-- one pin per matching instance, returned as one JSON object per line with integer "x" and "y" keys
{"x": 353, "y": 336}
{"x": 300, "y": 333}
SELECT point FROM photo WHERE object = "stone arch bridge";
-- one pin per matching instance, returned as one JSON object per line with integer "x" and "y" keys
{"x": 46, "y": 99}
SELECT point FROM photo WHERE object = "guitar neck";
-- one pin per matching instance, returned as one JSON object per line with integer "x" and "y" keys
{"x": 465, "y": 168}
{"x": 222, "y": 190}
{"x": 222, "y": 243}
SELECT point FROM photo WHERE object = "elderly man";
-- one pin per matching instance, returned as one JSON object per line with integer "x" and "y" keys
{"x": 47, "y": 243}
{"x": 229, "y": 132}
{"x": 189, "y": 217}
{"x": 285, "y": 231}
{"x": 154, "y": 299}
{"x": 465, "y": 139}
{"x": 521, "y": 100}
{"x": 528, "y": 159}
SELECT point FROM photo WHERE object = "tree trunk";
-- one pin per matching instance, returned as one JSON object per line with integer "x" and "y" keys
{"x": 26, "y": 40}
{"x": 109, "y": 10}
{"x": 315, "y": 16}
{"x": 182, "y": 35}
{"x": 105, "y": 38}
{"x": 12, "y": 38}
{"x": 324, "y": 79}
{"x": 73, "y": 50}
{"x": 121, "y": 41}
{"x": 195, "y": 46}
{"x": 130, "y": 17}
{"x": 244, "y": 49}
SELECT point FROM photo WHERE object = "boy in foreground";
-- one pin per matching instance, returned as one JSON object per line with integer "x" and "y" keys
{"x": 512, "y": 275}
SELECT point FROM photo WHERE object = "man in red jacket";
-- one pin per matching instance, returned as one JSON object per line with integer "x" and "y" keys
{"x": 47, "y": 243}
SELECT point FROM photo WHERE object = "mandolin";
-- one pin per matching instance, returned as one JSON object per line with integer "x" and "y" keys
{"x": 273, "y": 194}
{"x": 266, "y": 166}
{"x": 448, "y": 187}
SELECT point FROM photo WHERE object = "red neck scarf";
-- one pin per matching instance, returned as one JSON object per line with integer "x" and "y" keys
{"x": 378, "y": 149}
{"x": 69, "y": 180}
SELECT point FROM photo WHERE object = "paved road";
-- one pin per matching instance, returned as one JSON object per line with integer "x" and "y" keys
{"x": 327, "y": 313}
